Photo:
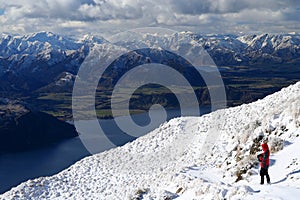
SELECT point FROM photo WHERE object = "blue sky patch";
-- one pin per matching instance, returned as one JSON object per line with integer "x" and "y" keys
{"x": 1, "y": 11}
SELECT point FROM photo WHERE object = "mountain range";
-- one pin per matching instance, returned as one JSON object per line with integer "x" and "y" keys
{"x": 42, "y": 67}
{"x": 30, "y": 62}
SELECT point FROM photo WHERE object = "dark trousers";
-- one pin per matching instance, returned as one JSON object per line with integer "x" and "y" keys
{"x": 264, "y": 172}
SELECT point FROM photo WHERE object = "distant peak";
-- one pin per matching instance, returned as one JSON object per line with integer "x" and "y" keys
{"x": 5, "y": 36}
{"x": 42, "y": 36}
{"x": 186, "y": 32}
{"x": 42, "y": 33}
{"x": 91, "y": 38}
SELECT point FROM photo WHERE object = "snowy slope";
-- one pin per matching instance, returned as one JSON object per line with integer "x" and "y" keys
{"x": 169, "y": 163}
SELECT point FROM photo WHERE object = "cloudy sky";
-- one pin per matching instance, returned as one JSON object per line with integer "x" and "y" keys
{"x": 111, "y": 16}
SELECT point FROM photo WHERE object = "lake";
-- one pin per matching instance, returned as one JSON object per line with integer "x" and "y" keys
{"x": 19, "y": 167}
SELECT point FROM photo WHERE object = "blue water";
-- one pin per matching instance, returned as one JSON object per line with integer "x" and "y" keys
{"x": 19, "y": 167}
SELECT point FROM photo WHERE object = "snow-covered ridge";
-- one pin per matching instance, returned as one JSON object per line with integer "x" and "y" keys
{"x": 267, "y": 43}
{"x": 34, "y": 44}
{"x": 169, "y": 163}
{"x": 22, "y": 54}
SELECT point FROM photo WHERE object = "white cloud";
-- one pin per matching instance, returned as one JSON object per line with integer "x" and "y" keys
{"x": 75, "y": 16}
{"x": 196, "y": 7}
{"x": 109, "y": 11}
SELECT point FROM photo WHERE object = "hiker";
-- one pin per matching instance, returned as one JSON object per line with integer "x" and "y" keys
{"x": 264, "y": 163}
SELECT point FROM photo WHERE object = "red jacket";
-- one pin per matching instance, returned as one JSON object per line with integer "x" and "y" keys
{"x": 265, "y": 158}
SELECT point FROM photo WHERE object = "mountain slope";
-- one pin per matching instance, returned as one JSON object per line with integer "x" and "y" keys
{"x": 32, "y": 61}
{"x": 171, "y": 163}
{"x": 23, "y": 129}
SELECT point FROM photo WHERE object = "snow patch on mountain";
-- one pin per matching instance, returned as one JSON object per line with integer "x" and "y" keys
{"x": 66, "y": 79}
{"x": 91, "y": 39}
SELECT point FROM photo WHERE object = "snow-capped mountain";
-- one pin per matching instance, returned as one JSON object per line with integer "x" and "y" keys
{"x": 34, "y": 44}
{"x": 252, "y": 49}
{"x": 33, "y": 61}
{"x": 91, "y": 39}
{"x": 170, "y": 162}
{"x": 232, "y": 49}
{"x": 43, "y": 43}
{"x": 278, "y": 48}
